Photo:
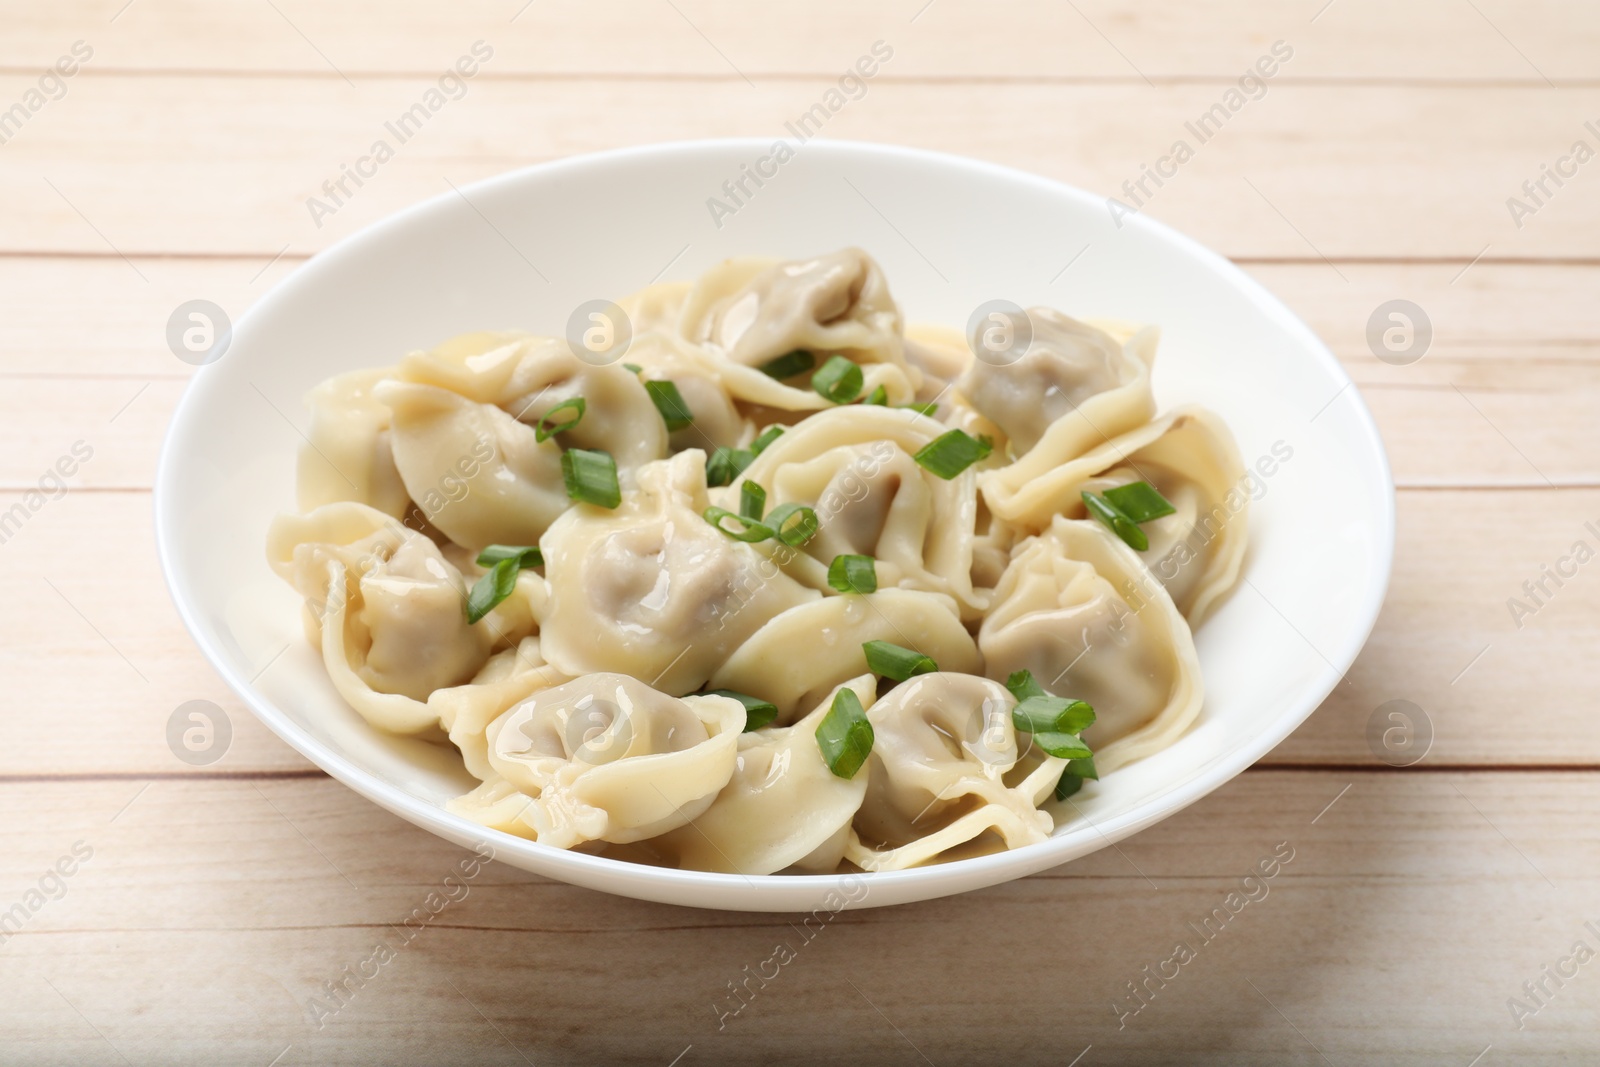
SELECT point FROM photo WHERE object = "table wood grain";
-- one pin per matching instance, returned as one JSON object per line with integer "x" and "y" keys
{"x": 256, "y": 912}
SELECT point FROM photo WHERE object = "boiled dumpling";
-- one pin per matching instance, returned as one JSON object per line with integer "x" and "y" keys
{"x": 479, "y": 475}
{"x": 608, "y": 758}
{"x": 347, "y": 455}
{"x": 389, "y": 608}
{"x": 1190, "y": 458}
{"x": 653, "y": 590}
{"x": 1077, "y": 609}
{"x": 946, "y": 768}
{"x": 783, "y": 809}
{"x": 465, "y": 711}
{"x": 718, "y": 423}
{"x": 801, "y": 655}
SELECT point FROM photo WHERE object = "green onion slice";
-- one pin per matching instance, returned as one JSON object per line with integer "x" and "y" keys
{"x": 525, "y": 555}
{"x": 751, "y": 532}
{"x": 853, "y": 574}
{"x": 633, "y": 367}
{"x": 492, "y": 588}
{"x": 1066, "y": 746}
{"x": 591, "y": 477}
{"x": 892, "y": 661}
{"x": 1022, "y": 686}
{"x": 1139, "y": 501}
{"x": 544, "y": 429}
{"x": 769, "y": 435}
{"x": 839, "y": 380}
{"x": 752, "y": 501}
{"x": 1119, "y": 523}
{"x": 757, "y": 712}
{"x": 674, "y": 412}
{"x": 794, "y": 534}
{"x": 726, "y": 464}
{"x": 787, "y": 366}
{"x": 930, "y": 409}
{"x": 951, "y": 453}
{"x": 879, "y": 396}
{"x": 1047, "y": 714}
{"x": 845, "y": 736}
{"x": 1070, "y": 783}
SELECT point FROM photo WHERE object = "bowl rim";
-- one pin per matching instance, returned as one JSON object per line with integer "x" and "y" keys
{"x": 771, "y": 892}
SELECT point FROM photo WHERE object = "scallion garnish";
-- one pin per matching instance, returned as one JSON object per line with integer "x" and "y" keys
{"x": 1119, "y": 523}
{"x": 930, "y": 409}
{"x": 752, "y": 501}
{"x": 796, "y": 533}
{"x": 633, "y": 367}
{"x": 892, "y": 661}
{"x": 751, "y": 531}
{"x": 838, "y": 380}
{"x": 757, "y": 712}
{"x": 1139, "y": 501}
{"x": 674, "y": 412}
{"x": 951, "y": 453}
{"x": 845, "y": 735}
{"x": 525, "y": 555}
{"x": 1022, "y": 686}
{"x": 591, "y": 477}
{"x": 879, "y": 396}
{"x": 544, "y": 429}
{"x": 726, "y": 464}
{"x": 492, "y": 588}
{"x": 788, "y": 365}
{"x": 853, "y": 574}
{"x": 1064, "y": 746}
{"x": 1072, "y": 778}
{"x": 769, "y": 435}
{"x": 1049, "y": 714}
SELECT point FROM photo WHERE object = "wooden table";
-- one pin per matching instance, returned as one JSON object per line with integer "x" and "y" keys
{"x": 208, "y": 908}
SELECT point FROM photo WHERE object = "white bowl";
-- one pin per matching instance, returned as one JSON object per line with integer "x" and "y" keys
{"x": 950, "y": 233}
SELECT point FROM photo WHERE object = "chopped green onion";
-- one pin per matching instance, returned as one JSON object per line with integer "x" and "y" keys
{"x": 1048, "y": 714}
{"x": 752, "y": 501}
{"x": 544, "y": 429}
{"x": 757, "y": 712}
{"x": 929, "y": 409}
{"x": 1066, "y": 746}
{"x": 796, "y": 534}
{"x": 1139, "y": 501}
{"x": 845, "y": 736}
{"x": 591, "y": 477}
{"x": 753, "y": 530}
{"x": 1070, "y": 783}
{"x": 633, "y": 367}
{"x": 951, "y": 453}
{"x": 1022, "y": 686}
{"x": 892, "y": 661}
{"x": 879, "y": 396}
{"x": 492, "y": 588}
{"x": 853, "y": 574}
{"x": 1119, "y": 523}
{"x": 769, "y": 435}
{"x": 839, "y": 380}
{"x": 787, "y": 366}
{"x": 674, "y": 412}
{"x": 726, "y": 464}
{"x": 1083, "y": 768}
{"x": 524, "y": 555}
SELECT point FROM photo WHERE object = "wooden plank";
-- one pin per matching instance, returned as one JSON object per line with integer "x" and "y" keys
{"x": 103, "y": 650}
{"x": 93, "y": 172}
{"x": 1008, "y": 38}
{"x": 211, "y": 914}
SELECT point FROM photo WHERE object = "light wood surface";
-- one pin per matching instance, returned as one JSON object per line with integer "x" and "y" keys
{"x": 215, "y": 903}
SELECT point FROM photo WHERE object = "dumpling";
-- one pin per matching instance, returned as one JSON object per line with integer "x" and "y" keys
{"x": 346, "y": 455}
{"x": 608, "y": 758}
{"x": 527, "y": 376}
{"x": 756, "y": 310}
{"x": 748, "y": 312}
{"x": 941, "y": 354}
{"x": 1189, "y": 456}
{"x": 655, "y": 308}
{"x": 854, "y": 466}
{"x": 946, "y": 769}
{"x": 1078, "y": 610}
{"x": 803, "y": 654}
{"x": 479, "y": 475}
{"x": 783, "y": 809}
{"x": 389, "y": 611}
{"x": 653, "y": 590}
